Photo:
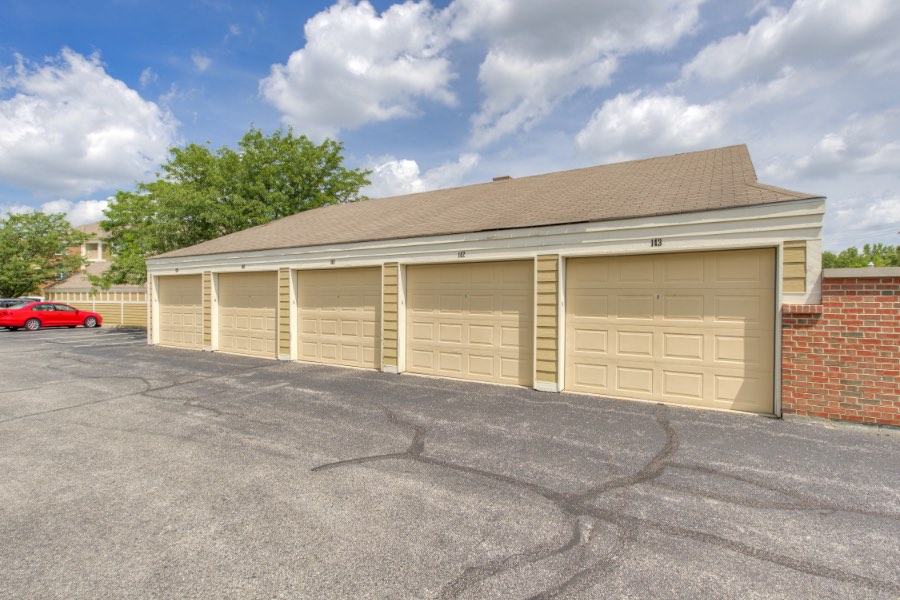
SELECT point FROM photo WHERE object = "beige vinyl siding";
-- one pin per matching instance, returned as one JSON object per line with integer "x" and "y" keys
{"x": 207, "y": 309}
{"x": 339, "y": 316}
{"x": 390, "y": 295}
{"x": 685, "y": 328}
{"x": 284, "y": 312}
{"x": 794, "y": 267}
{"x": 118, "y": 309}
{"x": 547, "y": 330}
{"x": 181, "y": 311}
{"x": 472, "y": 321}
{"x": 248, "y": 313}
{"x": 134, "y": 314}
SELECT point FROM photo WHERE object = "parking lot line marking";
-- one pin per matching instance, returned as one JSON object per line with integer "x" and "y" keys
{"x": 107, "y": 345}
{"x": 74, "y": 335}
{"x": 44, "y": 338}
{"x": 85, "y": 337}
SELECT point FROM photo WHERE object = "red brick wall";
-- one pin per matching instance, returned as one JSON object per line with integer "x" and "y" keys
{"x": 841, "y": 360}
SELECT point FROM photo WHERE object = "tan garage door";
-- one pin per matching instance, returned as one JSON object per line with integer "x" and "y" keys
{"x": 340, "y": 316}
{"x": 471, "y": 321}
{"x": 181, "y": 311}
{"x": 694, "y": 328}
{"x": 247, "y": 313}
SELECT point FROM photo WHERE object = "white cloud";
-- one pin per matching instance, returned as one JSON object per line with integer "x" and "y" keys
{"x": 77, "y": 213}
{"x": 540, "y": 53}
{"x": 812, "y": 33}
{"x": 234, "y": 30}
{"x": 632, "y": 126}
{"x": 360, "y": 67}
{"x": 392, "y": 177}
{"x": 201, "y": 61}
{"x": 855, "y": 220}
{"x": 14, "y": 209}
{"x": 70, "y": 128}
{"x": 865, "y": 145}
{"x": 148, "y": 76}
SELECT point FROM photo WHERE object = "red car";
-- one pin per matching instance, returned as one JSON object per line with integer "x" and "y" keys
{"x": 34, "y": 315}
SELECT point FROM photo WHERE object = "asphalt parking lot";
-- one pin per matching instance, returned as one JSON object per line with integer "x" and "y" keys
{"x": 129, "y": 471}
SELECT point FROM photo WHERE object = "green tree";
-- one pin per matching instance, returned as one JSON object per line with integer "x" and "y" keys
{"x": 880, "y": 255}
{"x": 203, "y": 194}
{"x": 33, "y": 252}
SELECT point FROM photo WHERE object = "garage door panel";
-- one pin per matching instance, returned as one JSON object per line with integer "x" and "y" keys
{"x": 684, "y": 384}
{"x": 481, "y": 364}
{"x": 484, "y": 273}
{"x": 683, "y": 346}
{"x": 512, "y": 337}
{"x": 452, "y": 303}
{"x": 181, "y": 311}
{"x": 738, "y": 309}
{"x": 471, "y": 321}
{"x": 745, "y": 351}
{"x": 590, "y": 377}
{"x": 635, "y": 343}
{"x": 516, "y": 304}
{"x": 675, "y": 273}
{"x": 450, "y": 362}
{"x": 590, "y": 306}
{"x": 350, "y": 328}
{"x": 634, "y": 307}
{"x": 340, "y": 314}
{"x": 421, "y": 359}
{"x": 590, "y": 340}
{"x": 633, "y": 270}
{"x": 634, "y": 379}
{"x": 423, "y": 332}
{"x": 683, "y": 308}
{"x": 482, "y": 335}
{"x": 738, "y": 269}
{"x": 481, "y": 304}
{"x": 713, "y": 346}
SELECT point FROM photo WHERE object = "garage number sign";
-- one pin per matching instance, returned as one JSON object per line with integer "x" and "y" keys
{"x": 655, "y": 242}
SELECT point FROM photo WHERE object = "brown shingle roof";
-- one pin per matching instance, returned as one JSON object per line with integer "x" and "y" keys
{"x": 93, "y": 230}
{"x": 682, "y": 183}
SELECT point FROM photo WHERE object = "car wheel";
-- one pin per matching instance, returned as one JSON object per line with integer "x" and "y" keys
{"x": 32, "y": 324}
{"x": 90, "y": 322}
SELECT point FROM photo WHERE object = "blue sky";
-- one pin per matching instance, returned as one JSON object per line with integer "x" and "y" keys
{"x": 429, "y": 95}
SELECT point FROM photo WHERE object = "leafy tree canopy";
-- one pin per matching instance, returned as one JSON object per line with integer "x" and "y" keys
{"x": 33, "y": 252}
{"x": 881, "y": 255}
{"x": 203, "y": 194}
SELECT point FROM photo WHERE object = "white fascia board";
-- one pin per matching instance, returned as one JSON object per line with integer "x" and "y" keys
{"x": 744, "y": 227}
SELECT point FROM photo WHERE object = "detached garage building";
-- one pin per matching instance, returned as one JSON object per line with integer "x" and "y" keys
{"x": 659, "y": 279}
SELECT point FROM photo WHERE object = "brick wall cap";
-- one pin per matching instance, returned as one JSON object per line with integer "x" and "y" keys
{"x": 802, "y": 309}
{"x": 861, "y": 273}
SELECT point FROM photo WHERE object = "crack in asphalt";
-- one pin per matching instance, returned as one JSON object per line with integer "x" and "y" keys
{"x": 800, "y": 502}
{"x": 579, "y": 548}
{"x": 146, "y": 392}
